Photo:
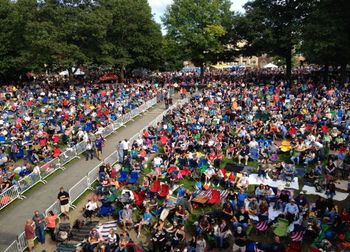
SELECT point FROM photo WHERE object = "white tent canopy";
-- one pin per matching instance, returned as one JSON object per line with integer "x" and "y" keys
{"x": 270, "y": 65}
{"x": 78, "y": 72}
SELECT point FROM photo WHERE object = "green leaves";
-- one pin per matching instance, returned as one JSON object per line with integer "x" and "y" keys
{"x": 65, "y": 34}
{"x": 199, "y": 28}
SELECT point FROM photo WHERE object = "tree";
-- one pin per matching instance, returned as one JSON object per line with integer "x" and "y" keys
{"x": 171, "y": 57}
{"x": 135, "y": 39}
{"x": 273, "y": 27}
{"x": 200, "y": 28}
{"x": 325, "y": 37}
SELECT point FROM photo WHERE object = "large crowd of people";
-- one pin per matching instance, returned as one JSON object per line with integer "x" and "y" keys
{"x": 38, "y": 121}
{"x": 196, "y": 193}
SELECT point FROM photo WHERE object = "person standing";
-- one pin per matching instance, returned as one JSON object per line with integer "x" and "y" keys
{"x": 51, "y": 224}
{"x": 63, "y": 198}
{"x": 29, "y": 233}
{"x": 125, "y": 144}
{"x": 89, "y": 150}
{"x": 39, "y": 220}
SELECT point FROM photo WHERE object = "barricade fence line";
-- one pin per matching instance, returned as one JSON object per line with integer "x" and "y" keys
{"x": 76, "y": 191}
{"x": 13, "y": 247}
{"x": 47, "y": 169}
{"x": 8, "y": 196}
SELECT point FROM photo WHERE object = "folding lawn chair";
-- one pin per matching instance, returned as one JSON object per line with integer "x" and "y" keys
{"x": 134, "y": 176}
{"x": 164, "y": 190}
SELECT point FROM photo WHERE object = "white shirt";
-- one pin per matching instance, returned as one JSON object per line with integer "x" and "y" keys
{"x": 91, "y": 206}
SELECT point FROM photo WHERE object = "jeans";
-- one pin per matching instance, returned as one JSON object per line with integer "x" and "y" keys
{"x": 244, "y": 226}
{"x": 295, "y": 159}
{"x": 89, "y": 154}
{"x": 219, "y": 240}
{"x": 40, "y": 233}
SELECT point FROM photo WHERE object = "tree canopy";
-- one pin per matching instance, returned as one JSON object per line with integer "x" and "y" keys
{"x": 65, "y": 34}
{"x": 200, "y": 29}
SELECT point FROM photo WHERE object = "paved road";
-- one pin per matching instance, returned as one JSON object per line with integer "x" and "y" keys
{"x": 12, "y": 220}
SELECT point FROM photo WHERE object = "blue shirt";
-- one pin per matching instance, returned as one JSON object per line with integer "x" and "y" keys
{"x": 292, "y": 208}
{"x": 147, "y": 217}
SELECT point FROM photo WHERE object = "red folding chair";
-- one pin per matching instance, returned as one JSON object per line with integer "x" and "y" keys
{"x": 155, "y": 187}
{"x": 164, "y": 190}
{"x": 215, "y": 197}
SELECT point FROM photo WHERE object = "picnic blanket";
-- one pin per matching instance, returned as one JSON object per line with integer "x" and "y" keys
{"x": 254, "y": 180}
{"x": 204, "y": 196}
{"x": 339, "y": 196}
{"x": 104, "y": 229}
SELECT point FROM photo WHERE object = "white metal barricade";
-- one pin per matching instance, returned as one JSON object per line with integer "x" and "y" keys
{"x": 13, "y": 247}
{"x": 93, "y": 175}
{"x": 68, "y": 155}
{"x": 111, "y": 159}
{"x": 50, "y": 167}
{"x": 21, "y": 242}
{"x": 108, "y": 130}
{"x": 8, "y": 196}
{"x": 80, "y": 147}
{"x": 77, "y": 190}
{"x": 55, "y": 208}
{"x": 29, "y": 181}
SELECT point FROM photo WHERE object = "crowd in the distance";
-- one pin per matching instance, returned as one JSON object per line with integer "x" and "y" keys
{"x": 270, "y": 130}
{"x": 39, "y": 121}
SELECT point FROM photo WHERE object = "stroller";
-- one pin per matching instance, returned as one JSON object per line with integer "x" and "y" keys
{"x": 63, "y": 233}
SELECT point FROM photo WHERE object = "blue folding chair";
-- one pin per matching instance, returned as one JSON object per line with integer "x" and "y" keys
{"x": 2, "y": 139}
{"x": 123, "y": 177}
{"x": 254, "y": 154}
{"x": 134, "y": 176}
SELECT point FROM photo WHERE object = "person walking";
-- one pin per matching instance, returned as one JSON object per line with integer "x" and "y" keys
{"x": 29, "y": 234}
{"x": 99, "y": 142}
{"x": 63, "y": 198}
{"x": 120, "y": 152}
{"x": 39, "y": 220}
{"x": 89, "y": 150}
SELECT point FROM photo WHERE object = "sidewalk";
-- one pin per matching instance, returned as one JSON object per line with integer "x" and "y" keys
{"x": 12, "y": 220}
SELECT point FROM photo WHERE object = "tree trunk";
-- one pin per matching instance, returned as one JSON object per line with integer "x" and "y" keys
{"x": 122, "y": 74}
{"x": 288, "y": 59}
{"x": 343, "y": 73}
{"x": 202, "y": 72}
{"x": 325, "y": 74}
{"x": 70, "y": 74}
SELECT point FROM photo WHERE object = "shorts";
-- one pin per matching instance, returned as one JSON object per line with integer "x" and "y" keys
{"x": 30, "y": 243}
{"x": 238, "y": 248}
{"x": 65, "y": 208}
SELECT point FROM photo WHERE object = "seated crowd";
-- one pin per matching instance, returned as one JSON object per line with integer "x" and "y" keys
{"x": 38, "y": 121}
{"x": 204, "y": 154}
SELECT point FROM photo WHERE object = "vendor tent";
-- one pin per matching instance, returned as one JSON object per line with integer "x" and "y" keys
{"x": 270, "y": 65}
{"x": 78, "y": 72}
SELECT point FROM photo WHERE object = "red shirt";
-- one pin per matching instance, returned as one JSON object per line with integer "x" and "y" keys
{"x": 29, "y": 232}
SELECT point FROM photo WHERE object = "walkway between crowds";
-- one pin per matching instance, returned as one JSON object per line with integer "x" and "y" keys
{"x": 12, "y": 220}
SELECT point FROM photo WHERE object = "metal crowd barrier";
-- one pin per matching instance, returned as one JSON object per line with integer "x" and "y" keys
{"x": 84, "y": 184}
{"x": 78, "y": 189}
{"x": 13, "y": 247}
{"x": 27, "y": 182}
{"x": 8, "y": 196}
